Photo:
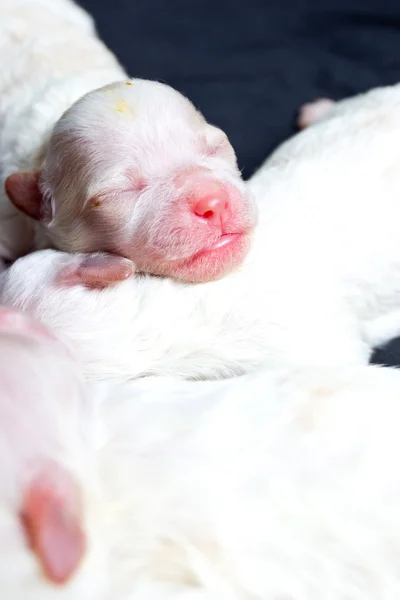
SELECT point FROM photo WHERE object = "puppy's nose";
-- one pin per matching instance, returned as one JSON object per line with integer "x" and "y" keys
{"x": 214, "y": 207}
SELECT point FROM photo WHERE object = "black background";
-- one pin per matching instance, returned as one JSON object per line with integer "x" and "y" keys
{"x": 249, "y": 64}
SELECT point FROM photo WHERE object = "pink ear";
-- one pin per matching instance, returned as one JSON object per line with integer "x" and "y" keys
{"x": 23, "y": 190}
{"x": 97, "y": 270}
{"x": 52, "y": 524}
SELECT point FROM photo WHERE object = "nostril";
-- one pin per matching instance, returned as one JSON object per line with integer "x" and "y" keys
{"x": 213, "y": 209}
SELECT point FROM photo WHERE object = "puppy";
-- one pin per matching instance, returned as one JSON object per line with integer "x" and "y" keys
{"x": 100, "y": 163}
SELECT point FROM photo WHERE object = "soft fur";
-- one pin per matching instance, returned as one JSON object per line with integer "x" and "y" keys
{"x": 319, "y": 287}
{"x": 51, "y": 57}
{"x": 278, "y": 484}
{"x": 126, "y": 167}
{"x": 264, "y": 486}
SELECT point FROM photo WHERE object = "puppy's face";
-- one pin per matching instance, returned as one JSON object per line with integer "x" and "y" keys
{"x": 133, "y": 169}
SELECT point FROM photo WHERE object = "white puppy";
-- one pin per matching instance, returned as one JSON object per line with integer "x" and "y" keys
{"x": 98, "y": 164}
{"x": 49, "y": 486}
{"x": 265, "y": 486}
{"x": 320, "y": 286}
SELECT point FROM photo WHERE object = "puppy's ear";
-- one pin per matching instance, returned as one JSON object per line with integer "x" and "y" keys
{"x": 23, "y": 190}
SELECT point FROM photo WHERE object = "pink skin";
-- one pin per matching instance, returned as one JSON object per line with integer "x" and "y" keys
{"x": 97, "y": 270}
{"x": 157, "y": 186}
{"x": 50, "y": 511}
{"x": 212, "y": 216}
{"x": 16, "y": 323}
{"x": 216, "y": 231}
{"x": 314, "y": 111}
{"x": 52, "y": 527}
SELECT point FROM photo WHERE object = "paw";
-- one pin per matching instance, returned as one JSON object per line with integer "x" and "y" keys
{"x": 97, "y": 271}
{"x": 313, "y": 111}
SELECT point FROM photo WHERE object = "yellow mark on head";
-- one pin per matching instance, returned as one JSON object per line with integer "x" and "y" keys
{"x": 95, "y": 202}
{"x": 122, "y": 107}
{"x": 128, "y": 83}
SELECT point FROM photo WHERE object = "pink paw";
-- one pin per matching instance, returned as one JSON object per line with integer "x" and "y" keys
{"x": 313, "y": 111}
{"x": 98, "y": 270}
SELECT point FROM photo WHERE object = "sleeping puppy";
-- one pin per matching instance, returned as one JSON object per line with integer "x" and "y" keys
{"x": 320, "y": 285}
{"x": 104, "y": 164}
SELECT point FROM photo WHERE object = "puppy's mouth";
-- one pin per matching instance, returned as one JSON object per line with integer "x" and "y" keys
{"x": 225, "y": 247}
{"x": 223, "y": 240}
{"x": 213, "y": 261}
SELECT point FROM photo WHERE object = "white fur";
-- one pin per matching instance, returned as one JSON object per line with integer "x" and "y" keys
{"x": 264, "y": 486}
{"x": 122, "y": 169}
{"x": 51, "y": 56}
{"x": 320, "y": 286}
{"x": 45, "y": 422}
{"x": 267, "y": 486}
{"x": 271, "y": 485}
{"x": 112, "y": 164}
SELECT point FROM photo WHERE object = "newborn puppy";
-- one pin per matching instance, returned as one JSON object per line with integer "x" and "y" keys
{"x": 129, "y": 168}
{"x": 172, "y": 490}
{"x": 134, "y": 170}
{"x": 320, "y": 285}
{"x": 46, "y": 466}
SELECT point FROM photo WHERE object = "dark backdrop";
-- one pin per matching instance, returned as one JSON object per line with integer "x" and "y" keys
{"x": 249, "y": 64}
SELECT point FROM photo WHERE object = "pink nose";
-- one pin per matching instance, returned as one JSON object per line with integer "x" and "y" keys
{"x": 214, "y": 208}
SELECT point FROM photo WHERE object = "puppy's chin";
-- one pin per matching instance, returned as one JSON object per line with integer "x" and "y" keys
{"x": 210, "y": 264}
